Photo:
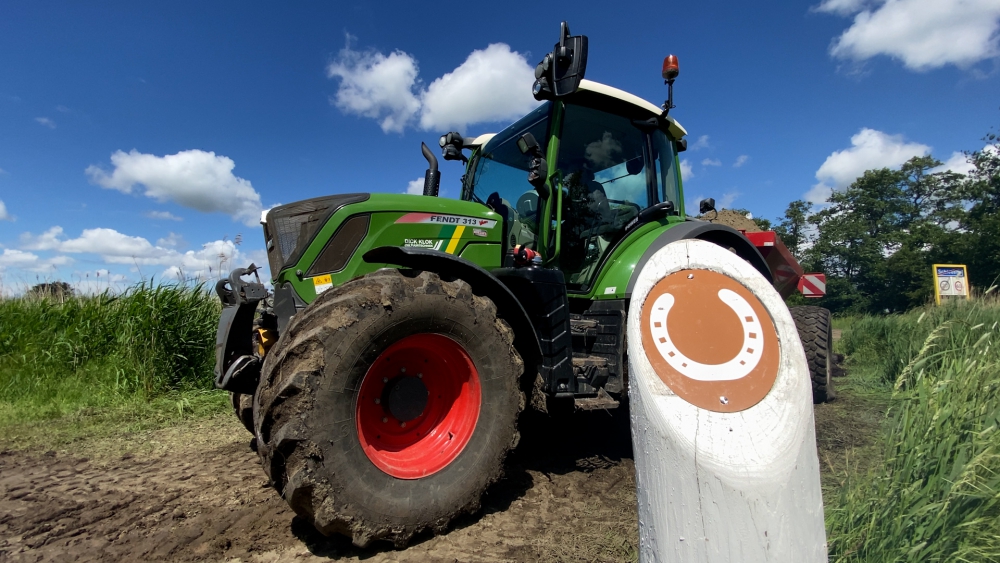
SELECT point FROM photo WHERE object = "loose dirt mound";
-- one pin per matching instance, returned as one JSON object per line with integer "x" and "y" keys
{"x": 732, "y": 219}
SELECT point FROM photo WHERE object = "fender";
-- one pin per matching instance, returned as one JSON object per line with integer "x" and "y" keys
{"x": 722, "y": 235}
{"x": 483, "y": 283}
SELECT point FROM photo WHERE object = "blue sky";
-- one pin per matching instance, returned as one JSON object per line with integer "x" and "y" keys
{"x": 141, "y": 140}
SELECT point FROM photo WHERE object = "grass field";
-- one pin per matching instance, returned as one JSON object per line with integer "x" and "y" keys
{"x": 144, "y": 354}
{"x": 933, "y": 491}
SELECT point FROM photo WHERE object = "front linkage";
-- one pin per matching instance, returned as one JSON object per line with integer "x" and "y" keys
{"x": 239, "y": 344}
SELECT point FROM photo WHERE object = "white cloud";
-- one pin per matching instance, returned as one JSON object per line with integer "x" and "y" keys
{"x": 29, "y": 261}
{"x": 711, "y": 162}
{"x": 113, "y": 247}
{"x": 164, "y": 216}
{"x": 173, "y": 240}
{"x": 415, "y": 187}
{"x": 686, "y": 172}
{"x": 741, "y": 160}
{"x": 493, "y": 84}
{"x": 727, "y": 199}
{"x": 957, "y": 163}
{"x": 197, "y": 179}
{"x": 923, "y": 34}
{"x": 46, "y": 122}
{"x": 4, "y": 216}
{"x": 841, "y": 7}
{"x": 376, "y": 86}
{"x": 62, "y": 109}
{"x": 870, "y": 149}
{"x": 701, "y": 143}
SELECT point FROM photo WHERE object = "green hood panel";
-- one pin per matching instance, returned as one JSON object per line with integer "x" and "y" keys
{"x": 457, "y": 227}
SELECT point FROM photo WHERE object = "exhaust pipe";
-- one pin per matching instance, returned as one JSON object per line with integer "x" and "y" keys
{"x": 432, "y": 178}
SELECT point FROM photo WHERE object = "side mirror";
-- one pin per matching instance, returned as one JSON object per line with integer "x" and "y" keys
{"x": 706, "y": 205}
{"x": 537, "y": 167}
{"x": 560, "y": 72}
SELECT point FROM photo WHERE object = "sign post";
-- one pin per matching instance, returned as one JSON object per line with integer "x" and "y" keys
{"x": 722, "y": 415}
{"x": 951, "y": 281}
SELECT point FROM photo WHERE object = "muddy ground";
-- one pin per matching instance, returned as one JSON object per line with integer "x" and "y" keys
{"x": 196, "y": 493}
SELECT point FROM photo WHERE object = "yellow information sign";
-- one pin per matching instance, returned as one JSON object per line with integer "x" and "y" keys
{"x": 951, "y": 281}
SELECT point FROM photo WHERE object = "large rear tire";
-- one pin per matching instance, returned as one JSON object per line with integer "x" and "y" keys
{"x": 388, "y": 406}
{"x": 814, "y": 325}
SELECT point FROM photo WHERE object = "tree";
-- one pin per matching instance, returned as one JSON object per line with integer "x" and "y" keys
{"x": 792, "y": 227}
{"x": 58, "y": 290}
{"x": 982, "y": 221}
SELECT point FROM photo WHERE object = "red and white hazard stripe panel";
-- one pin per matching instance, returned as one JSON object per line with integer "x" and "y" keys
{"x": 813, "y": 285}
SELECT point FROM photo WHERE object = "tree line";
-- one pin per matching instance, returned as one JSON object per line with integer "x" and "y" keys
{"x": 877, "y": 240}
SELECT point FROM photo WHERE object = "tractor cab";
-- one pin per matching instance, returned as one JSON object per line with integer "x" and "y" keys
{"x": 609, "y": 158}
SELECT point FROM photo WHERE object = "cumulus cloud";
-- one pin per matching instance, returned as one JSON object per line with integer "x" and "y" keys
{"x": 711, "y": 162}
{"x": 30, "y": 261}
{"x": 741, "y": 160}
{"x": 870, "y": 149}
{"x": 376, "y": 86}
{"x": 493, "y": 84}
{"x": 415, "y": 187}
{"x": 686, "y": 172}
{"x": 163, "y": 216}
{"x": 727, "y": 199}
{"x": 197, "y": 179}
{"x": 4, "y": 216}
{"x": 114, "y": 247}
{"x": 957, "y": 163}
{"x": 701, "y": 143}
{"x": 46, "y": 122}
{"x": 923, "y": 34}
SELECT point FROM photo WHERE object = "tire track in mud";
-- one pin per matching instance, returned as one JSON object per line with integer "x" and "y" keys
{"x": 200, "y": 495}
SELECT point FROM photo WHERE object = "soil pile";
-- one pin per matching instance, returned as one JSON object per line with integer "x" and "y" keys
{"x": 732, "y": 219}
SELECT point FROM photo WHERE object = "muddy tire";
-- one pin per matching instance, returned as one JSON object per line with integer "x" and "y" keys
{"x": 815, "y": 332}
{"x": 356, "y": 364}
{"x": 243, "y": 408}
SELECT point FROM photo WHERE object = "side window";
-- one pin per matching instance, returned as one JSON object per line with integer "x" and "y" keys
{"x": 667, "y": 175}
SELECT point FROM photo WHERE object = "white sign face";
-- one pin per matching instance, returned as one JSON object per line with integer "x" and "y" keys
{"x": 951, "y": 282}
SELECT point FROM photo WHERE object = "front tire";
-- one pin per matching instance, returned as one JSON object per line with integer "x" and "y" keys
{"x": 389, "y": 405}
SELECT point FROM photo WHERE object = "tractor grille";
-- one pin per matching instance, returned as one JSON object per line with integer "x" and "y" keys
{"x": 290, "y": 228}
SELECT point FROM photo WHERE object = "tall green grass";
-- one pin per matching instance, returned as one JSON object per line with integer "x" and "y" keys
{"x": 58, "y": 356}
{"x": 936, "y": 494}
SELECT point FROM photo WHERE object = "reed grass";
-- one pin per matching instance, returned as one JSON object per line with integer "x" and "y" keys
{"x": 936, "y": 494}
{"x": 61, "y": 356}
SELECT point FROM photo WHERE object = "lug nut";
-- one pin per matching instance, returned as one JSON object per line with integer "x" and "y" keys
{"x": 378, "y": 401}
{"x": 402, "y": 370}
{"x": 402, "y": 425}
{"x": 420, "y": 376}
{"x": 384, "y": 419}
{"x": 385, "y": 380}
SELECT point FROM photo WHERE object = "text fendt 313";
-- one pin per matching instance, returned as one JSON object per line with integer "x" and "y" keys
{"x": 384, "y": 376}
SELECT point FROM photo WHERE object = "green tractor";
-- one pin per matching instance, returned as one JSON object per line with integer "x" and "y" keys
{"x": 384, "y": 376}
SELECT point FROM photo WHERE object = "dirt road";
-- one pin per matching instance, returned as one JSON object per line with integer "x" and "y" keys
{"x": 198, "y": 494}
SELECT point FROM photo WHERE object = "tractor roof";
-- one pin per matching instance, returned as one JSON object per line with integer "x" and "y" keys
{"x": 676, "y": 130}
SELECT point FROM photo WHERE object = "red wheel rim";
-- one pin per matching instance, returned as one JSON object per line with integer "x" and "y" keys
{"x": 401, "y": 435}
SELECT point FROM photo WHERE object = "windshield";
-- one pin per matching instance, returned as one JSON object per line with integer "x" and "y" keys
{"x": 499, "y": 177}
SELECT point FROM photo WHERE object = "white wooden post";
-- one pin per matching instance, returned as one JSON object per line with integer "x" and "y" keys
{"x": 722, "y": 418}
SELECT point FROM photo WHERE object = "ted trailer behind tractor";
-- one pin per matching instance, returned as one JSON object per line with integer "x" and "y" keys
{"x": 384, "y": 377}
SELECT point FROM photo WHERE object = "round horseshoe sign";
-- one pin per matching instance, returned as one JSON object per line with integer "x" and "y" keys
{"x": 710, "y": 340}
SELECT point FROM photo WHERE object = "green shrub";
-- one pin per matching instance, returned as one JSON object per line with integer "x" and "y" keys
{"x": 936, "y": 494}
{"x": 57, "y": 356}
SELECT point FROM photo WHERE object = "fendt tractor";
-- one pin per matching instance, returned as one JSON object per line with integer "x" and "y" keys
{"x": 384, "y": 376}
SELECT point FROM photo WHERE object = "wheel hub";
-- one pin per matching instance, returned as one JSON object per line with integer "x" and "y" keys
{"x": 406, "y": 398}
{"x": 418, "y": 405}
